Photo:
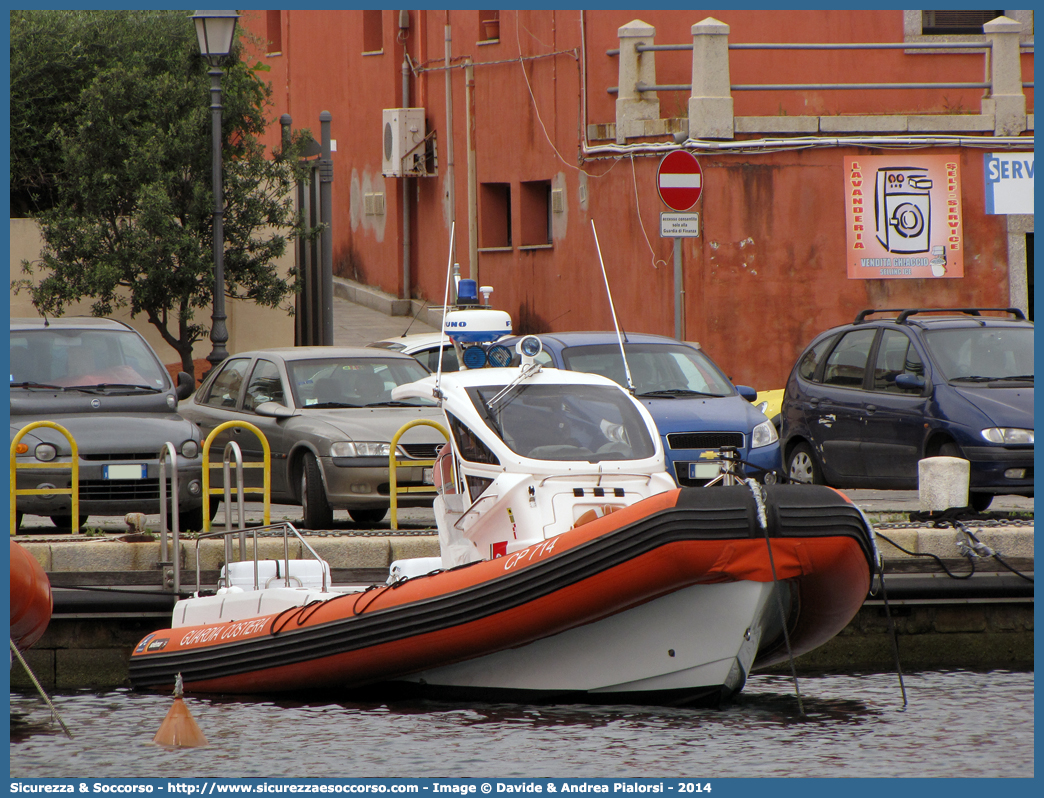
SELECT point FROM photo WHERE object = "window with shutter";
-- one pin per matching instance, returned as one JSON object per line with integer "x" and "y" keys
{"x": 961, "y": 22}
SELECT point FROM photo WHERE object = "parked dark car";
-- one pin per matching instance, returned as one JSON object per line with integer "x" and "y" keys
{"x": 866, "y": 401}
{"x": 103, "y": 383}
{"x": 696, "y": 407}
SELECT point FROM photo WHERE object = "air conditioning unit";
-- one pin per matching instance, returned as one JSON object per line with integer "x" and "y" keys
{"x": 404, "y": 153}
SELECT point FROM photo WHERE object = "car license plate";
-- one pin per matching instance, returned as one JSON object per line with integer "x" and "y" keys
{"x": 703, "y": 470}
{"x": 427, "y": 478}
{"x": 124, "y": 471}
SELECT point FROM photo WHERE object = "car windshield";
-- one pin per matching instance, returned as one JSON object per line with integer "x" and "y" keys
{"x": 353, "y": 382}
{"x": 667, "y": 370}
{"x": 84, "y": 359}
{"x": 983, "y": 354}
{"x": 566, "y": 422}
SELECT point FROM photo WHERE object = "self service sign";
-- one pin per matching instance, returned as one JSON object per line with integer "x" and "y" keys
{"x": 903, "y": 214}
{"x": 1009, "y": 182}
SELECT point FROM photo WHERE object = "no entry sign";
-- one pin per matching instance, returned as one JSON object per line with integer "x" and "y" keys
{"x": 679, "y": 180}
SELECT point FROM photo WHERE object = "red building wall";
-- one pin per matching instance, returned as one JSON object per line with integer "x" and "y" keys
{"x": 768, "y": 270}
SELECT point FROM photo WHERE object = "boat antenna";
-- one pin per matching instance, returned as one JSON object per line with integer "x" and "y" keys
{"x": 619, "y": 337}
{"x": 445, "y": 308}
{"x": 415, "y": 315}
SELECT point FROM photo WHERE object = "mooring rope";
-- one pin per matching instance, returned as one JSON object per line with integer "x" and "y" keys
{"x": 40, "y": 690}
{"x": 755, "y": 488}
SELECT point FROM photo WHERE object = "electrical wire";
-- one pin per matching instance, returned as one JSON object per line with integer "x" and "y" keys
{"x": 758, "y": 146}
{"x": 638, "y": 210}
{"x": 536, "y": 109}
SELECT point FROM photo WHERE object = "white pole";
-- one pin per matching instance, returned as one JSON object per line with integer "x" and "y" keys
{"x": 445, "y": 307}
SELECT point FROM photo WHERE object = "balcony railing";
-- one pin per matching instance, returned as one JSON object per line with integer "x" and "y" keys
{"x": 710, "y": 107}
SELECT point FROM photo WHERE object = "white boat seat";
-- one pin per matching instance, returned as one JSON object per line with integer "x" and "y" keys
{"x": 272, "y": 573}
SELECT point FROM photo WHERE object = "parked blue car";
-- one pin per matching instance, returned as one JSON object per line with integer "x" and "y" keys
{"x": 696, "y": 407}
{"x": 866, "y": 401}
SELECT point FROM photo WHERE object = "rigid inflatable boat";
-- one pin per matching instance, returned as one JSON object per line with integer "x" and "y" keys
{"x": 572, "y": 568}
{"x": 31, "y": 601}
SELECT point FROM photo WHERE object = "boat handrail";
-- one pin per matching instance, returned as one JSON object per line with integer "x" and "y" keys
{"x": 601, "y": 475}
{"x": 175, "y": 562}
{"x": 283, "y": 526}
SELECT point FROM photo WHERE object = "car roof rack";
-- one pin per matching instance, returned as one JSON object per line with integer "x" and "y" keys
{"x": 905, "y": 313}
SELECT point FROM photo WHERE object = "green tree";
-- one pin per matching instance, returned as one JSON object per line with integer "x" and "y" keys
{"x": 111, "y": 142}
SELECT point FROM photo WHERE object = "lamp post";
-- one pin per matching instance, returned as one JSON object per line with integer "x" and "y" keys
{"x": 216, "y": 32}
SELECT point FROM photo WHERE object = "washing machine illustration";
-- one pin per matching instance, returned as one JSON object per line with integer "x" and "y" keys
{"x": 903, "y": 207}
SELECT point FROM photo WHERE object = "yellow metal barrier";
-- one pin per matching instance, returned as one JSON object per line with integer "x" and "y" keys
{"x": 266, "y": 464}
{"x": 74, "y": 464}
{"x": 393, "y": 487}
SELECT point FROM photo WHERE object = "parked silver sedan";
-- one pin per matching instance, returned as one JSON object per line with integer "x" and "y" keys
{"x": 329, "y": 419}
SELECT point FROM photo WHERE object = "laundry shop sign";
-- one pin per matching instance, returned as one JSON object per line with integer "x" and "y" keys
{"x": 903, "y": 217}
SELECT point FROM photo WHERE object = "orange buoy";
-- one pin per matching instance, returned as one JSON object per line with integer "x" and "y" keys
{"x": 31, "y": 601}
{"x": 178, "y": 729}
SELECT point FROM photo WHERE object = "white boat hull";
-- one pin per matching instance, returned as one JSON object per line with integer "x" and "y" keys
{"x": 694, "y": 643}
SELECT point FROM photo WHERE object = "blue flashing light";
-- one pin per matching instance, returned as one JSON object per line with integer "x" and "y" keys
{"x": 499, "y": 355}
{"x": 474, "y": 357}
{"x": 467, "y": 291}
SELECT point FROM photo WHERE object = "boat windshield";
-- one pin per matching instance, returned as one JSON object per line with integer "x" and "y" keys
{"x": 566, "y": 422}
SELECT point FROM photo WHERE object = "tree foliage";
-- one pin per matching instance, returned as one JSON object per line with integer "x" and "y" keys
{"x": 111, "y": 152}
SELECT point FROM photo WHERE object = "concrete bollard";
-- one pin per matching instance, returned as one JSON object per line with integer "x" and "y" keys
{"x": 943, "y": 483}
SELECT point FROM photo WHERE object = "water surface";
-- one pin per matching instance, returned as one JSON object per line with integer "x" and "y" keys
{"x": 957, "y": 724}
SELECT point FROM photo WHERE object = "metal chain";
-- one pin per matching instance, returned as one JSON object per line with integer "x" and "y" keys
{"x": 985, "y": 523}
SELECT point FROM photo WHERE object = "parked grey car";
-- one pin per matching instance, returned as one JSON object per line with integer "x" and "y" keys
{"x": 328, "y": 417}
{"x": 103, "y": 383}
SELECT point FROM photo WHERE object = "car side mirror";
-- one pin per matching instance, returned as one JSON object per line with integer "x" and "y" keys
{"x": 274, "y": 410}
{"x": 910, "y": 382}
{"x": 186, "y": 385}
{"x": 747, "y": 392}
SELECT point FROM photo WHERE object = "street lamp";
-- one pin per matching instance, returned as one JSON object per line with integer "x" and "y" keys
{"x": 216, "y": 32}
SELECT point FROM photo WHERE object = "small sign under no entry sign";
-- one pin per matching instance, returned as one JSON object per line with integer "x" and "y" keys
{"x": 679, "y": 225}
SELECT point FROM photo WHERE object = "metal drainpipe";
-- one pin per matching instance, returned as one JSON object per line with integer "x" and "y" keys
{"x": 451, "y": 194}
{"x": 469, "y": 96}
{"x": 285, "y": 122}
{"x": 407, "y": 184}
{"x": 326, "y": 208}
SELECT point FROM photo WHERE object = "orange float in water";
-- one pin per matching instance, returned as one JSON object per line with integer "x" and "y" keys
{"x": 179, "y": 729}
{"x": 31, "y": 601}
